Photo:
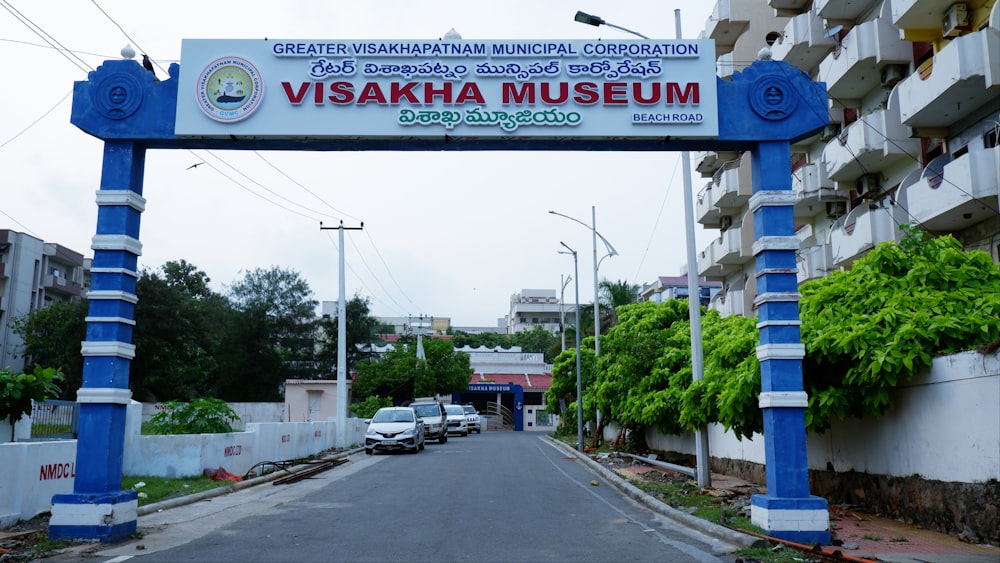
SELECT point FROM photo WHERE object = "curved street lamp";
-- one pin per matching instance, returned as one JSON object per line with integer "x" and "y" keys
{"x": 694, "y": 306}
{"x": 597, "y": 263}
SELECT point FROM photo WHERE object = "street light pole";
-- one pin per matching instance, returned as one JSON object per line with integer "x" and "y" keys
{"x": 579, "y": 382}
{"x": 611, "y": 252}
{"x": 562, "y": 311}
{"x": 702, "y": 472}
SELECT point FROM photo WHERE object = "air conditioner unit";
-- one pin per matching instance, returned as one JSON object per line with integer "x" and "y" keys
{"x": 836, "y": 208}
{"x": 868, "y": 184}
{"x": 726, "y": 222}
{"x": 956, "y": 20}
{"x": 892, "y": 74}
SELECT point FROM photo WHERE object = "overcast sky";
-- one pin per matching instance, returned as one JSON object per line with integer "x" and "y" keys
{"x": 445, "y": 234}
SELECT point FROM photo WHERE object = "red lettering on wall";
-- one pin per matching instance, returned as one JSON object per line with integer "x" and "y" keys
{"x": 231, "y": 451}
{"x": 286, "y": 438}
{"x": 51, "y": 471}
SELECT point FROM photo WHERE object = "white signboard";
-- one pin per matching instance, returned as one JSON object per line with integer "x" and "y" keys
{"x": 409, "y": 88}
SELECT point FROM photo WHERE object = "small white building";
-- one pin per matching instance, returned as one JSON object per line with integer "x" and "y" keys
{"x": 312, "y": 400}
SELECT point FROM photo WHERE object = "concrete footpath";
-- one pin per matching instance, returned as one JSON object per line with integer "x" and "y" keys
{"x": 863, "y": 536}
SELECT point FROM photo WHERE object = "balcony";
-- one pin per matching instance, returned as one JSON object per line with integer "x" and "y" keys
{"x": 786, "y": 8}
{"x": 855, "y": 68}
{"x": 813, "y": 188}
{"x": 726, "y": 253}
{"x": 804, "y": 43}
{"x": 710, "y": 161}
{"x": 725, "y": 67}
{"x": 873, "y": 143}
{"x": 963, "y": 77}
{"x": 812, "y": 262}
{"x": 60, "y": 285}
{"x": 842, "y": 9}
{"x": 727, "y": 22}
{"x": 951, "y": 195}
{"x": 859, "y": 231}
{"x": 705, "y": 209}
{"x": 919, "y": 14}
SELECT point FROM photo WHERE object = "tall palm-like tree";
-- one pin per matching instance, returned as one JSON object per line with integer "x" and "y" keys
{"x": 614, "y": 295}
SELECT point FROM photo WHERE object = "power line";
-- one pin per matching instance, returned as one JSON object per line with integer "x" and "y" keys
{"x": 33, "y": 123}
{"x": 37, "y": 30}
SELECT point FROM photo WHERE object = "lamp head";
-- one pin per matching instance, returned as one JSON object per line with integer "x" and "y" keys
{"x": 588, "y": 19}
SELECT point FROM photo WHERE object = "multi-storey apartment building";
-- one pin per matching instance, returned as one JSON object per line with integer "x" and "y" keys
{"x": 33, "y": 275}
{"x": 539, "y": 307}
{"x": 914, "y": 90}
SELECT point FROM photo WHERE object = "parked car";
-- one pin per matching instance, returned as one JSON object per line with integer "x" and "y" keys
{"x": 395, "y": 428}
{"x": 456, "y": 420}
{"x": 435, "y": 419}
{"x": 472, "y": 419}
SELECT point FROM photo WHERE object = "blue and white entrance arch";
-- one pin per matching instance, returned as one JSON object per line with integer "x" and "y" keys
{"x": 655, "y": 95}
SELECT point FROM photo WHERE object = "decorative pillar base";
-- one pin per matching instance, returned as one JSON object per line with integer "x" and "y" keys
{"x": 801, "y": 520}
{"x": 106, "y": 517}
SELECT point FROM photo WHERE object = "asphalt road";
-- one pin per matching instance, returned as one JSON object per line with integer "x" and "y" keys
{"x": 498, "y": 496}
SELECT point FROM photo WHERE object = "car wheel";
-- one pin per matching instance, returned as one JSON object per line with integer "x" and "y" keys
{"x": 368, "y": 452}
{"x": 466, "y": 433}
{"x": 443, "y": 439}
{"x": 421, "y": 446}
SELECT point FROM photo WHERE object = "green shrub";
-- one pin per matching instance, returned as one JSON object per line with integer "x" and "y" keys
{"x": 201, "y": 416}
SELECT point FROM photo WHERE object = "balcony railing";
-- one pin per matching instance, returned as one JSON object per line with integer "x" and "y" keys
{"x": 805, "y": 42}
{"x": 727, "y": 22}
{"x": 842, "y": 9}
{"x": 962, "y": 77}
{"x": 785, "y": 8}
{"x": 813, "y": 262}
{"x": 950, "y": 195}
{"x": 706, "y": 211}
{"x": 813, "y": 188}
{"x": 855, "y": 68}
{"x": 60, "y": 285}
{"x": 858, "y": 232}
{"x": 873, "y": 143}
{"x": 919, "y": 14}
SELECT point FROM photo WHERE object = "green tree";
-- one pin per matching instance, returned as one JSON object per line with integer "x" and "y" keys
{"x": 361, "y": 331}
{"x": 614, "y": 295}
{"x": 18, "y": 390}
{"x": 488, "y": 339}
{"x": 52, "y": 337}
{"x": 176, "y": 335}
{"x": 271, "y": 337}
{"x": 399, "y": 374}
{"x": 538, "y": 340}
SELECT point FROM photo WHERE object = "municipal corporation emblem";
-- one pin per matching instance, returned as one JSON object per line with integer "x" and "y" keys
{"x": 230, "y": 89}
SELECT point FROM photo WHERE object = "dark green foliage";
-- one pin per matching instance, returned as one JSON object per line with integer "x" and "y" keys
{"x": 399, "y": 374}
{"x": 52, "y": 337}
{"x": 371, "y": 405}
{"x": 361, "y": 330}
{"x": 18, "y": 390}
{"x": 201, "y": 416}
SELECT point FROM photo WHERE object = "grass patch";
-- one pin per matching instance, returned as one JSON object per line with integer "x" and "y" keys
{"x": 776, "y": 554}
{"x": 158, "y": 489}
{"x": 871, "y": 537}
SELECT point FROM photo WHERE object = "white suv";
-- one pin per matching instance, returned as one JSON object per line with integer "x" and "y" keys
{"x": 472, "y": 419}
{"x": 435, "y": 419}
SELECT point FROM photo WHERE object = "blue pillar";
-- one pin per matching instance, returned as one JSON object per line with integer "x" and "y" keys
{"x": 98, "y": 508}
{"x": 787, "y": 511}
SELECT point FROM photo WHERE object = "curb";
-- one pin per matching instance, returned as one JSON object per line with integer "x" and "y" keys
{"x": 716, "y": 531}
{"x": 225, "y": 490}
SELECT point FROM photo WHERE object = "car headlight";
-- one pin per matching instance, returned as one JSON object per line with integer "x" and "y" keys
{"x": 407, "y": 433}
{"x": 370, "y": 431}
